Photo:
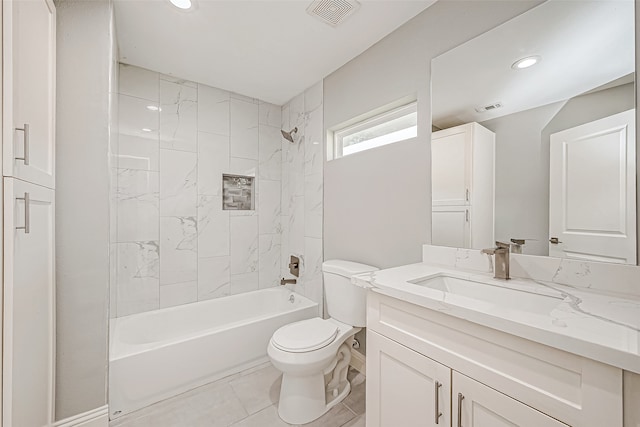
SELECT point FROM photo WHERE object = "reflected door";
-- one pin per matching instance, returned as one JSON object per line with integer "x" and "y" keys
{"x": 592, "y": 194}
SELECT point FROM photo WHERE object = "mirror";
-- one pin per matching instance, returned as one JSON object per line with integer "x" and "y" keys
{"x": 534, "y": 134}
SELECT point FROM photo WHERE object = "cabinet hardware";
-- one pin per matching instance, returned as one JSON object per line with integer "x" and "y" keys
{"x": 467, "y": 196}
{"x": 26, "y": 226}
{"x": 460, "y": 399}
{"x": 554, "y": 241}
{"x": 466, "y": 215}
{"x": 25, "y": 157}
{"x": 437, "y": 413}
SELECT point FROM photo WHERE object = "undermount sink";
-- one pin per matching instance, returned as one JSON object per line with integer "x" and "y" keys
{"x": 500, "y": 296}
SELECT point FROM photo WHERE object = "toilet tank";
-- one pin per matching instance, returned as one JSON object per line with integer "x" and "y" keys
{"x": 345, "y": 302}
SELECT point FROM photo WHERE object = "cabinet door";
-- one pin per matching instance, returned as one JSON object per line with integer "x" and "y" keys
{"x": 476, "y": 405}
{"x": 450, "y": 226}
{"x": 28, "y": 322}
{"x": 451, "y": 155}
{"x": 405, "y": 388}
{"x": 29, "y": 40}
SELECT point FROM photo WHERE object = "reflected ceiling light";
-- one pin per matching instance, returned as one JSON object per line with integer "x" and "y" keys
{"x": 527, "y": 62}
{"x": 182, "y": 4}
{"x": 153, "y": 108}
{"x": 146, "y": 130}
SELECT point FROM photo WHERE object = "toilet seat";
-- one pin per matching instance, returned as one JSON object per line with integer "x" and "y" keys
{"x": 305, "y": 336}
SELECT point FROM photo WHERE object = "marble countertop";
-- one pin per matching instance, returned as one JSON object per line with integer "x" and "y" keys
{"x": 601, "y": 327}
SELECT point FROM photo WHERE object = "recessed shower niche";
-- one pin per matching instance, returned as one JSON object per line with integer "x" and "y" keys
{"x": 238, "y": 193}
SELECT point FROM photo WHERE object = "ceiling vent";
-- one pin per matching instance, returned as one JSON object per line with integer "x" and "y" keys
{"x": 333, "y": 12}
{"x": 488, "y": 107}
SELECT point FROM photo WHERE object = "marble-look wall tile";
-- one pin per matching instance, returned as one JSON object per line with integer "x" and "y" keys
{"x": 244, "y": 129}
{"x": 137, "y": 277}
{"x": 312, "y": 275}
{"x": 296, "y": 112}
{"x": 313, "y": 97}
{"x": 137, "y": 199}
{"x": 296, "y": 226}
{"x": 313, "y": 148}
{"x": 213, "y": 110}
{"x": 295, "y": 160}
{"x": 178, "y": 116}
{"x": 313, "y": 190}
{"x": 213, "y": 227}
{"x": 247, "y": 167}
{"x": 178, "y": 187}
{"x": 270, "y": 152}
{"x": 136, "y": 119}
{"x": 178, "y": 250}
{"x": 241, "y": 283}
{"x": 178, "y": 80}
{"x": 138, "y": 82}
{"x": 178, "y": 294}
{"x": 284, "y": 246}
{"x": 135, "y": 152}
{"x": 213, "y": 161}
{"x": 244, "y": 98}
{"x": 269, "y": 260}
{"x": 244, "y": 244}
{"x": 270, "y": 115}
{"x": 113, "y": 279}
{"x": 214, "y": 278}
{"x": 269, "y": 207}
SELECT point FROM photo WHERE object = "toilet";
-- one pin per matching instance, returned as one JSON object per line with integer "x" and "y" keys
{"x": 314, "y": 354}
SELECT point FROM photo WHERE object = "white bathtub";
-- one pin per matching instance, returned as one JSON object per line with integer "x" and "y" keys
{"x": 162, "y": 353}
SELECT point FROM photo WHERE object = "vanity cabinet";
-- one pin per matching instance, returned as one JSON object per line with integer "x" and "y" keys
{"x": 28, "y": 81}
{"x": 487, "y": 378}
{"x": 462, "y": 164}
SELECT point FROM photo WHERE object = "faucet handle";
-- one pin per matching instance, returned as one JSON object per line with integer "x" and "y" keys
{"x": 501, "y": 245}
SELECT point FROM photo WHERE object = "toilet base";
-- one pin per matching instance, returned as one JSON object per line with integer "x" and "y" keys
{"x": 303, "y": 399}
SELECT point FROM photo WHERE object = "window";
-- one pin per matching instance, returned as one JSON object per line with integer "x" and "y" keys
{"x": 391, "y": 126}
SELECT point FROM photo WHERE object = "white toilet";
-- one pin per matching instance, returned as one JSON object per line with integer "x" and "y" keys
{"x": 314, "y": 354}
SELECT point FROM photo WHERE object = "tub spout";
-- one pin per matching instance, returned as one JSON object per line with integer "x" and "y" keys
{"x": 284, "y": 281}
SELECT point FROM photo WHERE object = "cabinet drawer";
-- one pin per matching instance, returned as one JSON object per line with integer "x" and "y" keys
{"x": 570, "y": 388}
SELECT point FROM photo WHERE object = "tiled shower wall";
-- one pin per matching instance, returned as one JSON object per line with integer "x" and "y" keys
{"x": 173, "y": 242}
{"x": 302, "y": 190}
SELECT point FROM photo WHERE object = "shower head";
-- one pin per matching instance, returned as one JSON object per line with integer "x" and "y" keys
{"x": 289, "y": 135}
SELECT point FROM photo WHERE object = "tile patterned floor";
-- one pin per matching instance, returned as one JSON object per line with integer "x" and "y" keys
{"x": 247, "y": 399}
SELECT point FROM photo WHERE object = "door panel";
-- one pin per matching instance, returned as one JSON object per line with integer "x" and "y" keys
{"x": 592, "y": 204}
{"x": 29, "y": 90}
{"x": 451, "y": 166}
{"x": 28, "y": 304}
{"x": 450, "y": 226}
{"x": 402, "y": 386}
{"x": 480, "y": 406}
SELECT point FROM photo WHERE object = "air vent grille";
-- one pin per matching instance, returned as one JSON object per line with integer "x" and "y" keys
{"x": 488, "y": 107}
{"x": 332, "y": 12}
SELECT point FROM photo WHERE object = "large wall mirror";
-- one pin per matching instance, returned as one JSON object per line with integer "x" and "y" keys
{"x": 534, "y": 134}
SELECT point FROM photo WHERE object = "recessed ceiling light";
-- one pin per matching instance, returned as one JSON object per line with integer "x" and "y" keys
{"x": 146, "y": 130}
{"x": 182, "y": 4}
{"x": 153, "y": 108}
{"x": 527, "y": 62}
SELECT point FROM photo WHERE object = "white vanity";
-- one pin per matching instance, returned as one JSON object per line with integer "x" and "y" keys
{"x": 449, "y": 345}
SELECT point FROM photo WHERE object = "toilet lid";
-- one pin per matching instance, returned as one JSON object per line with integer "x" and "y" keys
{"x": 307, "y": 335}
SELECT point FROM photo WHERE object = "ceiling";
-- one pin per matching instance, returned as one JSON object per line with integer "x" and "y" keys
{"x": 265, "y": 49}
{"x": 583, "y": 45}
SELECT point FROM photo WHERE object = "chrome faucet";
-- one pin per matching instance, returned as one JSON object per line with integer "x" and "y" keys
{"x": 501, "y": 264}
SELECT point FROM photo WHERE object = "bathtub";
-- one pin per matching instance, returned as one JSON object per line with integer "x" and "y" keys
{"x": 162, "y": 353}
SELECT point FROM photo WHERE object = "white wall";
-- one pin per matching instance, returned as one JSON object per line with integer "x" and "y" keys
{"x": 378, "y": 202}
{"x": 302, "y": 190}
{"x": 84, "y": 65}
{"x": 174, "y": 243}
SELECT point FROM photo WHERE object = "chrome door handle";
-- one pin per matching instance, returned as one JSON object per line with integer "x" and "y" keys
{"x": 437, "y": 413}
{"x": 460, "y": 399}
{"x": 25, "y": 156}
{"x": 26, "y": 227}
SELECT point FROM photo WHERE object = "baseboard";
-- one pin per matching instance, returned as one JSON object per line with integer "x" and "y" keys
{"x": 98, "y": 417}
{"x": 358, "y": 361}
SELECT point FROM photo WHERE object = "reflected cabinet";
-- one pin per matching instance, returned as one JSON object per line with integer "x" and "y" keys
{"x": 462, "y": 160}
